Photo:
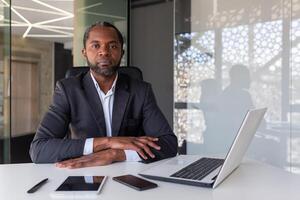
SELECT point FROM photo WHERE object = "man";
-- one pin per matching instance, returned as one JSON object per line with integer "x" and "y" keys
{"x": 233, "y": 104}
{"x": 102, "y": 117}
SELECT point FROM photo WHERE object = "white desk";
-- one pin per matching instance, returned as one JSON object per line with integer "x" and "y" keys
{"x": 252, "y": 180}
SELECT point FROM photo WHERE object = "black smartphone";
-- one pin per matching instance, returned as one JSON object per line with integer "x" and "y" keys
{"x": 135, "y": 182}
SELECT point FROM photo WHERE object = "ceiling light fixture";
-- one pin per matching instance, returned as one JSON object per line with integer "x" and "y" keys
{"x": 27, "y": 31}
{"x": 52, "y": 7}
{"x": 37, "y": 10}
{"x": 90, "y": 6}
{"x": 83, "y": 10}
{"x": 42, "y": 25}
{"x": 105, "y": 15}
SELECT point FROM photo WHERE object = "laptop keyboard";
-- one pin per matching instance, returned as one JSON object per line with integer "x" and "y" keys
{"x": 199, "y": 169}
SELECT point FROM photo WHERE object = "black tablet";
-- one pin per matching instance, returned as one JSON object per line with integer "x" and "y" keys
{"x": 80, "y": 186}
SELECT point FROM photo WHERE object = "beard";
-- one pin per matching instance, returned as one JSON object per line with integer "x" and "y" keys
{"x": 106, "y": 71}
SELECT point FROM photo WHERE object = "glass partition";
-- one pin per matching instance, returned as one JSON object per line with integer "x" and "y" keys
{"x": 231, "y": 56}
{"x": 37, "y": 47}
{"x": 29, "y": 33}
{"x": 38, "y": 28}
{"x": 294, "y": 115}
{"x": 5, "y": 49}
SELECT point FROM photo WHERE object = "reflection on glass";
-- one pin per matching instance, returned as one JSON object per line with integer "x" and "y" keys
{"x": 237, "y": 56}
{"x": 295, "y": 88}
{"x": 193, "y": 63}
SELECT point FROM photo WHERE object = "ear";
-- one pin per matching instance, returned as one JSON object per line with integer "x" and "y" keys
{"x": 123, "y": 52}
{"x": 83, "y": 52}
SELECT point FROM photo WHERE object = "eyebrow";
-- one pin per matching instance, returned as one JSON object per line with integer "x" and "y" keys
{"x": 96, "y": 41}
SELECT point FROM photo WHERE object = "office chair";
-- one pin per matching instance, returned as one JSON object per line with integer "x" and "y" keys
{"x": 131, "y": 71}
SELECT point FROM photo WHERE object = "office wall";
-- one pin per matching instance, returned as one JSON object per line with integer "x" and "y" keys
{"x": 151, "y": 49}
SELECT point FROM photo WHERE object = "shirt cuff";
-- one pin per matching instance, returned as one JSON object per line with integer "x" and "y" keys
{"x": 132, "y": 156}
{"x": 88, "y": 146}
{"x": 88, "y": 179}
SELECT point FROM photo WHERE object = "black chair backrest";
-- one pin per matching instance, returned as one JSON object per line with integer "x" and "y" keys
{"x": 131, "y": 71}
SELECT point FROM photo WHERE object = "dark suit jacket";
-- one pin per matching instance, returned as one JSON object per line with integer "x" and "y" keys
{"x": 76, "y": 113}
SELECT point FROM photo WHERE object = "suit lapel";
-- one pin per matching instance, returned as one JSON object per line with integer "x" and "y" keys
{"x": 94, "y": 102}
{"x": 120, "y": 102}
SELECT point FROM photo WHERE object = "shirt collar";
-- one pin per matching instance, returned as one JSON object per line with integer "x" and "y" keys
{"x": 111, "y": 90}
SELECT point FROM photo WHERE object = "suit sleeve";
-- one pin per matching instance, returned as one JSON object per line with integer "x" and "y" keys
{"x": 50, "y": 143}
{"x": 156, "y": 125}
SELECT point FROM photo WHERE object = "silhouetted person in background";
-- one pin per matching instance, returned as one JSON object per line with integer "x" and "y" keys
{"x": 210, "y": 92}
{"x": 234, "y": 102}
{"x": 231, "y": 107}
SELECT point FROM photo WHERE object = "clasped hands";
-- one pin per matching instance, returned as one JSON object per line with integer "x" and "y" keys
{"x": 111, "y": 149}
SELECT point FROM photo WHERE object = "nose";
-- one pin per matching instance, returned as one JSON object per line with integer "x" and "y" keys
{"x": 104, "y": 50}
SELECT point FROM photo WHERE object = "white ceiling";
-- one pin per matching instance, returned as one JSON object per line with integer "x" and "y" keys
{"x": 44, "y": 19}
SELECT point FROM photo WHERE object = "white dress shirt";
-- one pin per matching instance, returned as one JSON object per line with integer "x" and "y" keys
{"x": 107, "y": 101}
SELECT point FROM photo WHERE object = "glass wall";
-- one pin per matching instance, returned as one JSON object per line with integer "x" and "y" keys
{"x": 231, "y": 56}
{"x": 5, "y": 60}
{"x": 30, "y": 32}
{"x": 38, "y": 40}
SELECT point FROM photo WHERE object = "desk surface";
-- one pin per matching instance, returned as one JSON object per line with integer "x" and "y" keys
{"x": 252, "y": 180}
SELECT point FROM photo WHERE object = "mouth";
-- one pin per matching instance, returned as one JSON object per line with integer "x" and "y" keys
{"x": 104, "y": 63}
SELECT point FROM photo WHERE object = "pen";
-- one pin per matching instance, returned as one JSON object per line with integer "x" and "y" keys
{"x": 37, "y": 186}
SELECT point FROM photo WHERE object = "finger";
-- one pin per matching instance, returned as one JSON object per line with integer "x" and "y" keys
{"x": 86, "y": 161}
{"x": 66, "y": 164}
{"x": 145, "y": 148}
{"x": 81, "y": 165}
{"x": 63, "y": 164}
{"x": 75, "y": 165}
{"x": 149, "y": 143}
{"x": 127, "y": 144}
{"x": 137, "y": 148}
{"x": 141, "y": 153}
{"x": 69, "y": 162}
{"x": 134, "y": 147}
{"x": 90, "y": 163}
{"x": 149, "y": 138}
{"x": 78, "y": 163}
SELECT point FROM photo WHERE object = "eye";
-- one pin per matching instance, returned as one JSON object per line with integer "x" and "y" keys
{"x": 95, "y": 46}
{"x": 113, "y": 46}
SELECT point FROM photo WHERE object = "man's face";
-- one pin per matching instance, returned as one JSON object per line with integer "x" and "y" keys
{"x": 103, "y": 51}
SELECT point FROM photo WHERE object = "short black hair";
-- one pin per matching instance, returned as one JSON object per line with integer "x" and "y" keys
{"x": 101, "y": 24}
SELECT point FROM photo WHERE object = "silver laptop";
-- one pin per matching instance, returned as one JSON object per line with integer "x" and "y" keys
{"x": 208, "y": 172}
